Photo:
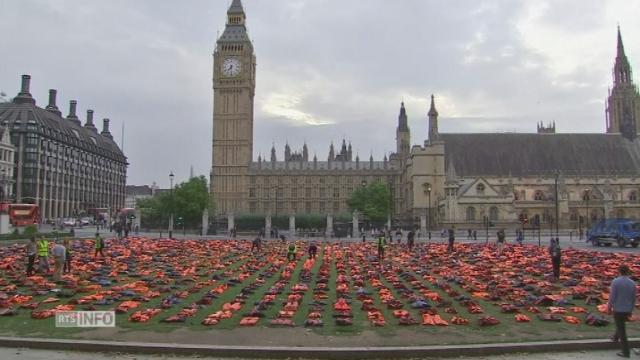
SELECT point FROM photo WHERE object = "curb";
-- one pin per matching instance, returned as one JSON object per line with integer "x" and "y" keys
{"x": 273, "y": 352}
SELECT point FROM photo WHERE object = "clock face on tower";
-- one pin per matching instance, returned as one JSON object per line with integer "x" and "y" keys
{"x": 231, "y": 67}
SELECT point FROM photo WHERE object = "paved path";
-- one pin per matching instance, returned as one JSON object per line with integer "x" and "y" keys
{"x": 30, "y": 354}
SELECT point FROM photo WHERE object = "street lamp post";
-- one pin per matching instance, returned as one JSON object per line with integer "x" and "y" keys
{"x": 171, "y": 205}
{"x": 429, "y": 212}
{"x": 557, "y": 207}
{"x": 586, "y": 198}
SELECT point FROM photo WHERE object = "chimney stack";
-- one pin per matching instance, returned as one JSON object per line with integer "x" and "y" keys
{"x": 89, "y": 124}
{"x": 105, "y": 129}
{"x": 24, "y": 96}
{"x": 52, "y": 107}
{"x": 72, "y": 113}
{"x": 26, "y": 85}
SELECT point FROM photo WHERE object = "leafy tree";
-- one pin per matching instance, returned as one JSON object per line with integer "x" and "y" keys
{"x": 373, "y": 200}
{"x": 188, "y": 201}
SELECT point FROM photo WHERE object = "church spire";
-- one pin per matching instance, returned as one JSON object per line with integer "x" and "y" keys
{"x": 402, "y": 119}
{"x": 622, "y": 68}
{"x": 433, "y": 121}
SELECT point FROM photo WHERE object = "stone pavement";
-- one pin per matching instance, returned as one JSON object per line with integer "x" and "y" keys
{"x": 33, "y": 354}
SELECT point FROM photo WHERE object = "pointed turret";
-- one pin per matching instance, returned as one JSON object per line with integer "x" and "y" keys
{"x": 623, "y": 104}
{"x": 357, "y": 161}
{"x": 433, "y": 121}
{"x": 287, "y": 152}
{"x": 371, "y": 161}
{"x": 403, "y": 124}
{"x": 622, "y": 69}
{"x": 349, "y": 152}
{"x": 305, "y": 152}
{"x": 273, "y": 153}
{"x": 332, "y": 153}
{"x": 452, "y": 177}
{"x": 403, "y": 136}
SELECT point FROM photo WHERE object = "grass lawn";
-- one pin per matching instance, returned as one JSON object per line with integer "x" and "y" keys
{"x": 191, "y": 280}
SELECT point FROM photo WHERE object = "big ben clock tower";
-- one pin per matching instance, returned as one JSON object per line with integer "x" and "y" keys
{"x": 234, "y": 82}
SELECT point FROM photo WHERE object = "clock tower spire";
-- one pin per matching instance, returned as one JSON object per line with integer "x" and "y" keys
{"x": 234, "y": 76}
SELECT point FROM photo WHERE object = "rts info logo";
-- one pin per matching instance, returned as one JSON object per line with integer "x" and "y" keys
{"x": 86, "y": 319}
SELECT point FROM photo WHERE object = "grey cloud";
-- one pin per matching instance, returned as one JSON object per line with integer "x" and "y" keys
{"x": 148, "y": 64}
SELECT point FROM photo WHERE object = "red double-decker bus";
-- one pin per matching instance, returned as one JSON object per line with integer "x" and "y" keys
{"x": 22, "y": 214}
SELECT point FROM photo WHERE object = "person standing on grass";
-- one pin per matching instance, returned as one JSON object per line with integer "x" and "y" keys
{"x": 622, "y": 300}
{"x": 256, "y": 243}
{"x": 313, "y": 250}
{"x": 410, "y": 240}
{"x": 452, "y": 239}
{"x": 501, "y": 239}
{"x": 99, "y": 245}
{"x": 556, "y": 256}
{"x": 67, "y": 257}
{"x": 58, "y": 253}
{"x": 291, "y": 252}
{"x": 32, "y": 251}
{"x": 43, "y": 255}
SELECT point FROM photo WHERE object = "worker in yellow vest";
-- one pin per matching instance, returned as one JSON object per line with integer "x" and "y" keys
{"x": 99, "y": 245}
{"x": 43, "y": 255}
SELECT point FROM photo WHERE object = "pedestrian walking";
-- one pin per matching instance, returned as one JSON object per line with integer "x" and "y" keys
{"x": 622, "y": 300}
{"x": 58, "y": 251}
{"x": 475, "y": 235}
{"x": 32, "y": 252}
{"x": 452, "y": 239}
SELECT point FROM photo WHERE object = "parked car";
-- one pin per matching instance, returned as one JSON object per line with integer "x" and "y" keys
{"x": 86, "y": 221}
{"x": 69, "y": 222}
{"x": 622, "y": 232}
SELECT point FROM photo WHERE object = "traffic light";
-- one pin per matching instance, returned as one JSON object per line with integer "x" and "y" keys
{"x": 179, "y": 221}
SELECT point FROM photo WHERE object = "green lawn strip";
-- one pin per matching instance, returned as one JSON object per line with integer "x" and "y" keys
{"x": 281, "y": 299}
{"x": 305, "y": 303}
{"x": 250, "y": 301}
{"x": 156, "y": 322}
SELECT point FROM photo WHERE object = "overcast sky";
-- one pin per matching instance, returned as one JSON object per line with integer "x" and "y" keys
{"x": 327, "y": 69}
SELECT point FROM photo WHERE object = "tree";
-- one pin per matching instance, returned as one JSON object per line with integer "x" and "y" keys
{"x": 188, "y": 201}
{"x": 373, "y": 200}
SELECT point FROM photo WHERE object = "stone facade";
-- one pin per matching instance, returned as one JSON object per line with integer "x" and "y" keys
{"x": 450, "y": 180}
{"x": 61, "y": 165}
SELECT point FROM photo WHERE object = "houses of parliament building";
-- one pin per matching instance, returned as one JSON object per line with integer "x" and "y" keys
{"x": 456, "y": 179}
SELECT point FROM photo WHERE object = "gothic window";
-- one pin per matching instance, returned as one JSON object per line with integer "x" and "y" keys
{"x": 480, "y": 189}
{"x": 322, "y": 208}
{"x": 538, "y": 195}
{"x": 633, "y": 196}
{"x": 336, "y": 192}
{"x": 493, "y": 213}
{"x": 307, "y": 192}
{"x": 322, "y": 192}
{"x": 336, "y": 207}
{"x": 573, "y": 216}
{"x": 252, "y": 192}
{"x": 471, "y": 213}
